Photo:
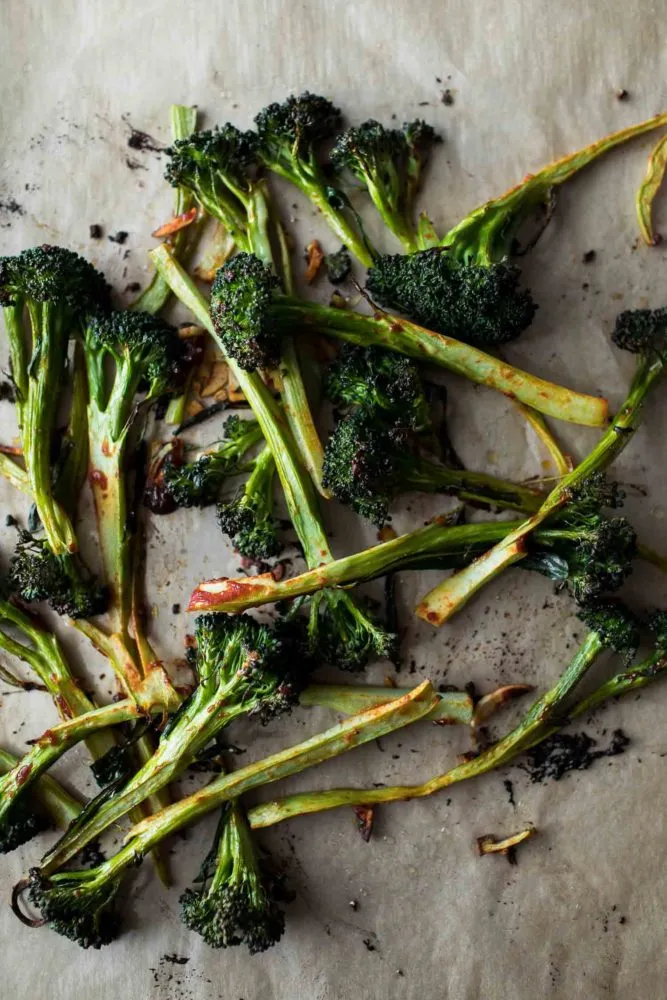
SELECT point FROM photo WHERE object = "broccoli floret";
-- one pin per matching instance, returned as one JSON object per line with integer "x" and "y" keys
{"x": 215, "y": 166}
{"x": 657, "y": 623}
{"x": 481, "y": 305}
{"x": 359, "y": 463}
{"x": 617, "y": 627}
{"x": 390, "y": 163}
{"x": 198, "y": 483}
{"x": 146, "y": 351}
{"x": 602, "y": 558}
{"x": 372, "y": 378}
{"x": 79, "y": 905}
{"x": 249, "y": 520}
{"x": 54, "y": 275}
{"x": 289, "y": 136}
{"x": 372, "y": 457}
{"x": 343, "y": 634}
{"x": 238, "y": 901}
{"x": 241, "y": 295}
{"x": 23, "y": 821}
{"x": 641, "y": 331}
{"x": 36, "y": 574}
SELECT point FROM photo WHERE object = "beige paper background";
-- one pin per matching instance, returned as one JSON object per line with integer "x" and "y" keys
{"x": 531, "y": 80}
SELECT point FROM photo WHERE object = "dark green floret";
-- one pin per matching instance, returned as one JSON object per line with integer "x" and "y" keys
{"x": 55, "y": 275}
{"x": 249, "y": 519}
{"x": 343, "y": 634}
{"x": 79, "y": 905}
{"x": 241, "y": 297}
{"x": 641, "y": 331}
{"x": 23, "y": 821}
{"x": 369, "y": 377}
{"x": 617, "y": 627}
{"x": 35, "y": 574}
{"x": 480, "y": 305}
{"x": 238, "y": 899}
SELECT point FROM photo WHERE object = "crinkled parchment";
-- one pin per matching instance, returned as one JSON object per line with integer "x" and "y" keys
{"x": 582, "y": 914}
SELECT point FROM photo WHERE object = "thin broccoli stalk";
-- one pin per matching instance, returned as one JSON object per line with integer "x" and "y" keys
{"x": 52, "y": 798}
{"x": 544, "y": 434}
{"x": 488, "y": 231}
{"x": 548, "y": 714}
{"x": 156, "y": 294}
{"x": 450, "y": 596}
{"x": 57, "y": 740}
{"x": 72, "y": 464}
{"x": 452, "y": 708}
{"x": 43, "y": 653}
{"x": 292, "y": 387}
{"x": 398, "y": 334}
{"x": 14, "y": 474}
{"x": 66, "y": 898}
{"x": 436, "y": 545}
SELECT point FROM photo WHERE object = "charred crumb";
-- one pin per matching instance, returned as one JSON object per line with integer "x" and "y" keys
{"x": 447, "y": 97}
{"x": 11, "y": 207}
{"x": 119, "y": 237}
{"x": 369, "y": 945}
{"x": 133, "y": 164}
{"x": 7, "y": 392}
{"x": 133, "y": 287}
{"x": 176, "y": 609}
{"x": 589, "y": 256}
{"x": 509, "y": 788}
{"x": 10, "y": 521}
{"x": 174, "y": 959}
{"x": 565, "y": 752}
{"x": 622, "y": 94}
{"x": 142, "y": 141}
{"x": 95, "y": 231}
{"x": 354, "y": 904}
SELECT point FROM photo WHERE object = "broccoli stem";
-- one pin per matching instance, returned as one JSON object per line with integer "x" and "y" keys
{"x": 315, "y": 188}
{"x": 156, "y": 295}
{"x": 260, "y": 480}
{"x": 353, "y": 732}
{"x": 415, "y": 549}
{"x": 72, "y": 467}
{"x": 300, "y": 495}
{"x": 541, "y": 720}
{"x": 43, "y": 654}
{"x": 37, "y": 414}
{"x": 293, "y": 391}
{"x": 394, "y": 333}
{"x": 506, "y": 212}
{"x": 452, "y": 708}
{"x": 56, "y": 741}
{"x": 561, "y": 461}
{"x": 450, "y": 596}
{"x": 424, "y": 476}
{"x": 14, "y": 474}
{"x": 59, "y": 804}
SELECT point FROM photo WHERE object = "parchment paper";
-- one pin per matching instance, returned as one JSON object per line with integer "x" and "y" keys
{"x": 582, "y": 914}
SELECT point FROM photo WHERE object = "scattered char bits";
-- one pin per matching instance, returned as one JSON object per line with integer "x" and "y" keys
{"x": 120, "y": 237}
{"x": 565, "y": 752}
{"x": 95, "y": 231}
{"x": 589, "y": 256}
{"x": 447, "y": 97}
{"x": 622, "y": 94}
